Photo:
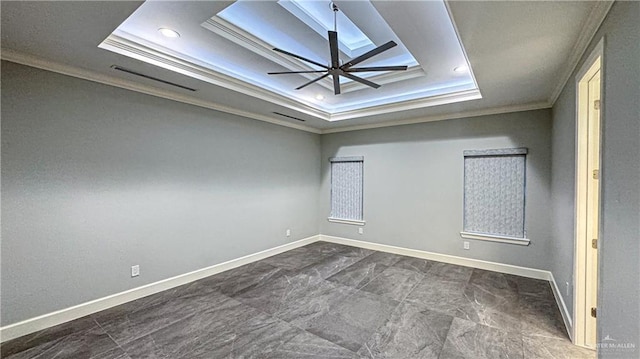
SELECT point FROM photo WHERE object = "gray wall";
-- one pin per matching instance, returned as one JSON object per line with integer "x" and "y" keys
{"x": 619, "y": 302}
{"x": 563, "y": 193}
{"x": 413, "y": 178}
{"x": 96, "y": 179}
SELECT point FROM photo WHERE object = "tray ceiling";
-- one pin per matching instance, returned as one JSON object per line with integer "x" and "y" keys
{"x": 522, "y": 53}
{"x": 230, "y": 44}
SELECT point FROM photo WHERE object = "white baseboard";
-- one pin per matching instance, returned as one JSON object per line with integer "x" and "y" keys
{"x": 566, "y": 316}
{"x": 78, "y": 311}
{"x": 462, "y": 261}
{"x": 467, "y": 262}
{"x": 61, "y": 316}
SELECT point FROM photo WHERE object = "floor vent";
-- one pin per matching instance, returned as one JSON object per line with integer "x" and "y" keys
{"x": 291, "y": 117}
{"x": 119, "y": 68}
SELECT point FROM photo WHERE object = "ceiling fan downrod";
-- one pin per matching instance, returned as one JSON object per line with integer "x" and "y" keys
{"x": 334, "y": 7}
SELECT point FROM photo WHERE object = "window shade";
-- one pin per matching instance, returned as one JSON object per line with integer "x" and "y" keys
{"x": 346, "y": 188}
{"x": 494, "y": 192}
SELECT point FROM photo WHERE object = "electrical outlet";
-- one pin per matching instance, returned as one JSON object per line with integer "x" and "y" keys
{"x": 465, "y": 244}
{"x": 135, "y": 270}
{"x": 360, "y": 230}
{"x": 288, "y": 233}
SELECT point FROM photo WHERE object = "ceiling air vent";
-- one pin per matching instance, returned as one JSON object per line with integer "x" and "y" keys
{"x": 291, "y": 117}
{"x": 119, "y": 68}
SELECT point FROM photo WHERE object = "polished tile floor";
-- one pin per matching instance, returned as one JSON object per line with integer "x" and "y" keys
{"x": 323, "y": 301}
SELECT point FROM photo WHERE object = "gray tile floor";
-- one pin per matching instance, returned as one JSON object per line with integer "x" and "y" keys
{"x": 323, "y": 301}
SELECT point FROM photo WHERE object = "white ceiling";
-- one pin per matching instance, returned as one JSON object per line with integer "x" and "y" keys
{"x": 521, "y": 54}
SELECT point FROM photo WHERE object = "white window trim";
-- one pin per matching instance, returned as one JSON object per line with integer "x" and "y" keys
{"x": 495, "y": 238}
{"x": 346, "y": 221}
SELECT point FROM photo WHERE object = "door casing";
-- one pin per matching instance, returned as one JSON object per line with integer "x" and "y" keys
{"x": 589, "y": 88}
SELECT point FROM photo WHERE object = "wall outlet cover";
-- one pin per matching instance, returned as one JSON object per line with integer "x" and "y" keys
{"x": 135, "y": 270}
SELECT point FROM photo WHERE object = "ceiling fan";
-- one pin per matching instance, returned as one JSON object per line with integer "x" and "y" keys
{"x": 335, "y": 69}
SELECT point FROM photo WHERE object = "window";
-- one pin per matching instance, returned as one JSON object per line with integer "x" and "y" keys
{"x": 347, "y": 189}
{"x": 494, "y": 195}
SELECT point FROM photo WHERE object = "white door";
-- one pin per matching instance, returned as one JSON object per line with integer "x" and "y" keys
{"x": 587, "y": 202}
{"x": 593, "y": 206}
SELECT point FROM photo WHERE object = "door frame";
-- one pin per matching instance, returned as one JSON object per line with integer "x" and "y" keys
{"x": 593, "y": 63}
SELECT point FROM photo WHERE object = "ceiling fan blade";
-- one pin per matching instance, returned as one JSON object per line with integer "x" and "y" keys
{"x": 366, "y": 55}
{"x": 336, "y": 84}
{"x": 333, "y": 47}
{"x": 294, "y": 72}
{"x": 379, "y": 68}
{"x": 312, "y": 81}
{"x": 360, "y": 80}
{"x": 300, "y": 57}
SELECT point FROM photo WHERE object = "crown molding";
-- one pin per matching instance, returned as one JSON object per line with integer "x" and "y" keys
{"x": 142, "y": 50}
{"x": 450, "y": 116}
{"x": 464, "y": 51}
{"x": 242, "y": 38}
{"x": 198, "y": 70}
{"x": 589, "y": 29}
{"x": 44, "y": 64}
{"x": 411, "y": 72}
{"x": 41, "y": 63}
{"x": 430, "y": 101}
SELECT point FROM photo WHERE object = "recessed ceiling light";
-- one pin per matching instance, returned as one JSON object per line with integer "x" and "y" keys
{"x": 319, "y": 97}
{"x": 462, "y": 68}
{"x": 168, "y": 32}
